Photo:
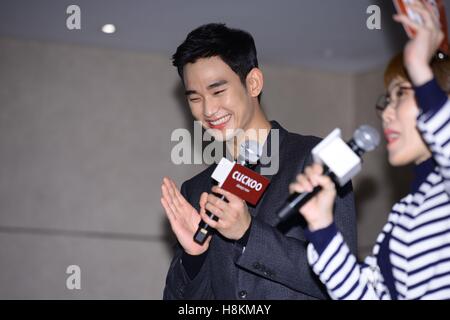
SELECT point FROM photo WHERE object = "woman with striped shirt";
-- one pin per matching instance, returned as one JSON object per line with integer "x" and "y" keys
{"x": 411, "y": 258}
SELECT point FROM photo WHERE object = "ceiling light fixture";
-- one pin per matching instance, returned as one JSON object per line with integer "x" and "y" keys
{"x": 109, "y": 28}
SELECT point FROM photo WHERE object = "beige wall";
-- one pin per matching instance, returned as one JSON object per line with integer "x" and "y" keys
{"x": 85, "y": 141}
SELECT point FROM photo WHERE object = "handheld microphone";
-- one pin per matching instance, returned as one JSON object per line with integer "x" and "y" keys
{"x": 249, "y": 153}
{"x": 341, "y": 162}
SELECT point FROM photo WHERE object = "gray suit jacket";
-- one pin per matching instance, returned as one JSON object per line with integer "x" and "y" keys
{"x": 273, "y": 264}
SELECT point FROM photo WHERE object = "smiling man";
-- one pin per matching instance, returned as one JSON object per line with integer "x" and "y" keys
{"x": 247, "y": 257}
{"x": 220, "y": 102}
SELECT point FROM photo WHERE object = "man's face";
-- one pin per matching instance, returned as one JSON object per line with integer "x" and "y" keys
{"x": 217, "y": 97}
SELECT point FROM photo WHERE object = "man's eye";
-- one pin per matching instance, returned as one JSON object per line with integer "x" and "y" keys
{"x": 218, "y": 92}
{"x": 194, "y": 99}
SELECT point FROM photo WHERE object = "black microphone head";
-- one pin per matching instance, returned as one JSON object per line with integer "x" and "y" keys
{"x": 249, "y": 152}
{"x": 366, "y": 137}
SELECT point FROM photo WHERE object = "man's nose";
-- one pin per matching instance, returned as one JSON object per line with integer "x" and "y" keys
{"x": 210, "y": 107}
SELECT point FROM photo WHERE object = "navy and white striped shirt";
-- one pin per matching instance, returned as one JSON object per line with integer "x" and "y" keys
{"x": 418, "y": 229}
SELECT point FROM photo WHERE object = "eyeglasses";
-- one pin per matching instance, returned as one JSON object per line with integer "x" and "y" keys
{"x": 392, "y": 98}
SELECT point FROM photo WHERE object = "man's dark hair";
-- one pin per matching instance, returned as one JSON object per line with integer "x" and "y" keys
{"x": 235, "y": 47}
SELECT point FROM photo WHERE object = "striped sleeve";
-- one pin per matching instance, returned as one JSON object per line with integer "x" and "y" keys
{"x": 344, "y": 277}
{"x": 434, "y": 125}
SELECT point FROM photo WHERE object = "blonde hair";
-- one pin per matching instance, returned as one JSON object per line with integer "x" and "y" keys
{"x": 440, "y": 67}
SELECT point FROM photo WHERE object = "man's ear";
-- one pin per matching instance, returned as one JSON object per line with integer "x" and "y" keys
{"x": 254, "y": 82}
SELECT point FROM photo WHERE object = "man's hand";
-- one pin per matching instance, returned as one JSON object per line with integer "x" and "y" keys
{"x": 183, "y": 217}
{"x": 234, "y": 218}
{"x": 419, "y": 50}
{"x": 318, "y": 211}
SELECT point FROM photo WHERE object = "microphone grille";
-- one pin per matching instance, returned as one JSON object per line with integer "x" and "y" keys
{"x": 366, "y": 137}
{"x": 249, "y": 152}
